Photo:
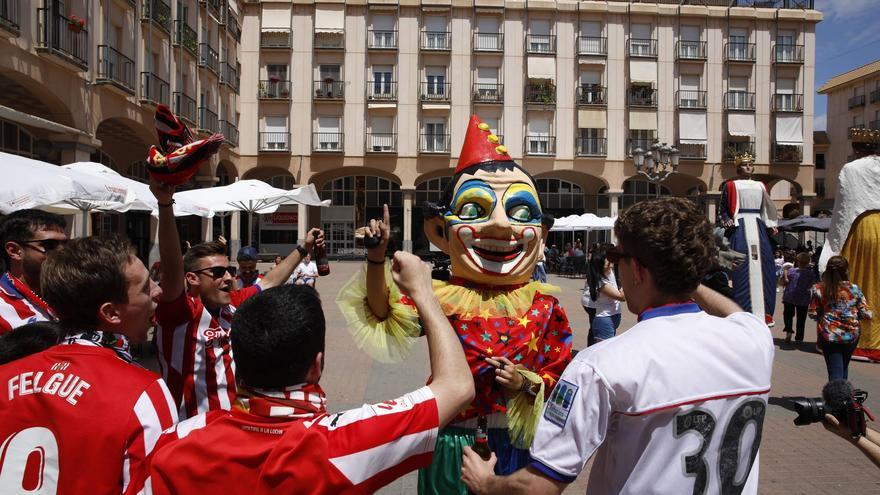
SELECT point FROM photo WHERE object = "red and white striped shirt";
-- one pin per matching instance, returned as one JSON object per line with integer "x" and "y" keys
{"x": 356, "y": 451}
{"x": 19, "y": 305}
{"x": 78, "y": 419}
{"x": 195, "y": 355}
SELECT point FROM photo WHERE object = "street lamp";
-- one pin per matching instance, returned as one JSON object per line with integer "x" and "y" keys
{"x": 656, "y": 164}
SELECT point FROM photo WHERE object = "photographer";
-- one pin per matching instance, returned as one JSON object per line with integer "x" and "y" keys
{"x": 869, "y": 443}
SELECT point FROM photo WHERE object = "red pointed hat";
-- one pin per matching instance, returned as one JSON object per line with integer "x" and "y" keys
{"x": 480, "y": 146}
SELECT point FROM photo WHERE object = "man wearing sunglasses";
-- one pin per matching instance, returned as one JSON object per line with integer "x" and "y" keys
{"x": 676, "y": 404}
{"x": 27, "y": 236}
{"x": 195, "y": 312}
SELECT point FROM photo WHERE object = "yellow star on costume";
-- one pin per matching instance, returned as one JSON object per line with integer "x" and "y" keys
{"x": 557, "y": 349}
{"x": 485, "y": 313}
{"x": 548, "y": 378}
{"x": 533, "y": 343}
{"x": 489, "y": 350}
{"x": 467, "y": 316}
{"x": 546, "y": 306}
{"x": 524, "y": 320}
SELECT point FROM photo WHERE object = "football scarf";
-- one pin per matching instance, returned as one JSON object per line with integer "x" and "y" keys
{"x": 305, "y": 400}
{"x": 116, "y": 342}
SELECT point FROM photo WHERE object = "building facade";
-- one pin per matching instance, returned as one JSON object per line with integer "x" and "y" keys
{"x": 853, "y": 102}
{"x": 80, "y": 81}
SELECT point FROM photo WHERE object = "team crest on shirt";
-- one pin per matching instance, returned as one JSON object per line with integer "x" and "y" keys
{"x": 559, "y": 404}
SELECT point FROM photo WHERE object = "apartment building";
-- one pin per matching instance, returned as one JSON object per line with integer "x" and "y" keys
{"x": 853, "y": 102}
{"x": 368, "y": 100}
{"x": 80, "y": 80}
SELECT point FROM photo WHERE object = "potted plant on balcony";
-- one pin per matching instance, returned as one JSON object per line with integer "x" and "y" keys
{"x": 328, "y": 87}
{"x": 76, "y": 24}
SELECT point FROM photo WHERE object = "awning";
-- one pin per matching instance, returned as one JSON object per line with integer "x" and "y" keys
{"x": 644, "y": 71}
{"x": 741, "y": 124}
{"x": 789, "y": 129}
{"x": 275, "y": 17}
{"x": 542, "y": 68}
{"x": 643, "y": 120}
{"x": 591, "y": 119}
{"x": 329, "y": 18}
{"x": 38, "y": 122}
{"x": 692, "y": 127}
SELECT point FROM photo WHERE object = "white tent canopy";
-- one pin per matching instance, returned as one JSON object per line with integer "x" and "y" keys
{"x": 586, "y": 221}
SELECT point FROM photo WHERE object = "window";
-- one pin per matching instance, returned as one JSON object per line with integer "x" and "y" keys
{"x": 591, "y": 141}
{"x": 487, "y": 84}
{"x": 641, "y": 138}
{"x": 383, "y": 31}
{"x": 431, "y": 190}
{"x": 590, "y": 42}
{"x": 436, "y": 78}
{"x": 382, "y": 80}
{"x": 435, "y": 136}
{"x": 635, "y": 191}
{"x": 330, "y": 73}
{"x": 689, "y": 45}
{"x": 785, "y": 46}
{"x": 820, "y": 161}
{"x": 329, "y": 137}
{"x": 436, "y": 35}
{"x": 381, "y": 134}
{"x": 640, "y": 40}
{"x": 558, "y": 194}
{"x": 819, "y": 186}
{"x": 16, "y": 140}
{"x": 785, "y": 98}
{"x": 285, "y": 181}
{"x": 539, "y": 36}
{"x": 689, "y": 94}
{"x": 275, "y": 135}
{"x": 538, "y": 140}
{"x": 488, "y": 36}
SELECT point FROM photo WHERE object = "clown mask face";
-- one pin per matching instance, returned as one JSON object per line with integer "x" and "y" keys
{"x": 493, "y": 231}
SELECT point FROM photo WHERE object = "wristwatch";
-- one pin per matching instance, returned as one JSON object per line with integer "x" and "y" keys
{"x": 528, "y": 387}
{"x": 302, "y": 251}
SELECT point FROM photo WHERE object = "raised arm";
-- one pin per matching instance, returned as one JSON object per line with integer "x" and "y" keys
{"x": 377, "y": 290}
{"x": 169, "y": 244}
{"x": 279, "y": 274}
{"x": 452, "y": 383}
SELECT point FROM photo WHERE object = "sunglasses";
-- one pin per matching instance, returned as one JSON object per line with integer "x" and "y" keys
{"x": 46, "y": 244}
{"x": 614, "y": 256}
{"x": 216, "y": 271}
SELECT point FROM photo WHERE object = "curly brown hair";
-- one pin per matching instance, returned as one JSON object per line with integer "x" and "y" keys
{"x": 672, "y": 239}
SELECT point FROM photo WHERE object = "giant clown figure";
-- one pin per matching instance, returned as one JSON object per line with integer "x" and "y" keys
{"x": 515, "y": 335}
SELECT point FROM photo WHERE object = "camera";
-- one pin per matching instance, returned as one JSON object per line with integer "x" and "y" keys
{"x": 838, "y": 399}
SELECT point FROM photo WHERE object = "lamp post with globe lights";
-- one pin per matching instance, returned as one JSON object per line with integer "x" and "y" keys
{"x": 657, "y": 163}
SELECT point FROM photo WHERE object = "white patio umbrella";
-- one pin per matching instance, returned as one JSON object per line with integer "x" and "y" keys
{"x": 250, "y": 196}
{"x": 586, "y": 221}
{"x": 34, "y": 184}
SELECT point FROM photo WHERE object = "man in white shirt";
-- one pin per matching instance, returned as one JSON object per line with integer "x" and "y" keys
{"x": 305, "y": 273}
{"x": 674, "y": 405}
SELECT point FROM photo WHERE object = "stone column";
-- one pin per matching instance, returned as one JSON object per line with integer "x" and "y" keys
{"x": 207, "y": 229}
{"x": 408, "y": 197}
{"x": 614, "y": 208}
{"x": 302, "y": 224}
{"x": 234, "y": 234}
{"x": 712, "y": 199}
{"x": 74, "y": 148}
{"x": 154, "y": 243}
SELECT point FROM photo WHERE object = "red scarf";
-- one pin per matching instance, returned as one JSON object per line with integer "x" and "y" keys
{"x": 305, "y": 400}
{"x": 26, "y": 292}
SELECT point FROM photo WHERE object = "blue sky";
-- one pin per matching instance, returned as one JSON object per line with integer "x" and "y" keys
{"x": 846, "y": 38}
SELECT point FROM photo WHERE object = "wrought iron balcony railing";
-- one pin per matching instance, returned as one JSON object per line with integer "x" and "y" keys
{"x": 874, "y": 125}
{"x": 436, "y": 41}
{"x": 434, "y": 143}
{"x": 435, "y": 91}
{"x": 787, "y": 153}
{"x": 540, "y": 145}
{"x": 739, "y": 100}
{"x": 185, "y": 107}
{"x": 233, "y": 27}
{"x": 690, "y": 99}
{"x": 382, "y": 90}
{"x": 856, "y": 101}
{"x": 208, "y": 121}
{"x": 592, "y": 146}
{"x": 275, "y": 38}
{"x": 875, "y": 95}
{"x": 488, "y": 42}
{"x": 186, "y": 36}
{"x": 739, "y": 52}
{"x": 636, "y": 143}
{"x": 274, "y": 141}
{"x": 328, "y": 142}
{"x": 329, "y": 40}
{"x": 642, "y": 97}
{"x": 541, "y": 43}
{"x": 158, "y": 12}
{"x": 788, "y": 54}
{"x": 592, "y": 45}
{"x": 229, "y": 131}
{"x": 115, "y": 68}
{"x": 788, "y": 102}
{"x": 273, "y": 89}
{"x": 154, "y": 89}
{"x": 329, "y": 90}
{"x": 590, "y": 94}
{"x": 381, "y": 142}
{"x": 692, "y": 150}
{"x": 488, "y": 93}
{"x": 65, "y": 37}
{"x": 10, "y": 15}
{"x": 639, "y": 47}
{"x": 378, "y": 39}
{"x": 544, "y": 94}
{"x": 229, "y": 76}
{"x": 734, "y": 148}
{"x": 209, "y": 58}
{"x": 691, "y": 50}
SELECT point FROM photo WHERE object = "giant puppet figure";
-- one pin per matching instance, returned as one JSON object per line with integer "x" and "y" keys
{"x": 748, "y": 213}
{"x": 855, "y": 230}
{"x": 515, "y": 335}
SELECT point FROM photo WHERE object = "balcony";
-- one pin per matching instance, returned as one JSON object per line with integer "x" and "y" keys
{"x": 787, "y": 153}
{"x": 115, "y": 68}
{"x": 590, "y": 94}
{"x": 642, "y": 97}
{"x": 9, "y": 16}
{"x": 329, "y": 89}
{"x": 186, "y": 37}
{"x": 329, "y": 40}
{"x": 488, "y": 42}
{"x": 327, "y": 142}
{"x": 233, "y": 27}
{"x": 157, "y": 12}
{"x": 154, "y": 89}
{"x": 381, "y": 142}
{"x": 540, "y": 145}
{"x": 690, "y": 50}
{"x": 638, "y": 47}
{"x": 739, "y": 100}
{"x": 740, "y": 52}
{"x": 788, "y": 103}
{"x": 230, "y": 132}
{"x": 381, "y": 91}
{"x": 592, "y": 146}
{"x": 229, "y": 76}
{"x": 274, "y": 141}
{"x": 209, "y": 58}
{"x": 438, "y": 41}
{"x": 273, "y": 89}
{"x": 275, "y": 39}
{"x": 213, "y": 7}
{"x": 434, "y": 143}
{"x": 642, "y": 143}
{"x": 208, "y": 122}
{"x": 544, "y": 44}
{"x": 734, "y": 148}
{"x": 690, "y": 99}
{"x": 381, "y": 40}
{"x": 541, "y": 94}
{"x": 692, "y": 150}
{"x": 435, "y": 91}
{"x": 788, "y": 54}
{"x": 875, "y": 95}
{"x": 64, "y": 37}
{"x": 874, "y": 125}
{"x": 185, "y": 108}
{"x": 856, "y": 101}
{"x": 488, "y": 93}
{"x": 592, "y": 45}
